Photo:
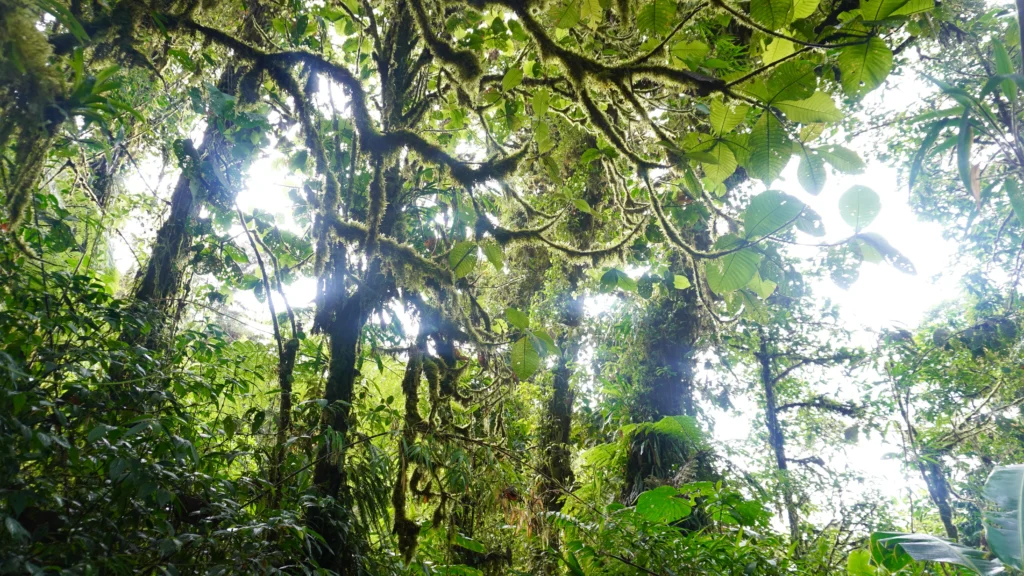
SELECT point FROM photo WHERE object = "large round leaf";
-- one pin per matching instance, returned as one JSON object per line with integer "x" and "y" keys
{"x": 859, "y": 206}
{"x": 818, "y": 107}
{"x": 732, "y": 271}
{"x": 864, "y": 66}
{"x": 769, "y": 149}
{"x": 811, "y": 172}
{"x": 525, "y": 359}
{"x": 772, "y": 13}
{"x": 770, "y": 212}
{"x": 656, "y": 16}
{"x": 662, "y": 505}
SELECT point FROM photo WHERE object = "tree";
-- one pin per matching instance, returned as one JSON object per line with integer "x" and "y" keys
{"x": 580, "y": 148}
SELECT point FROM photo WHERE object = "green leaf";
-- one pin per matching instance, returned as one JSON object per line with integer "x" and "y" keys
{"x": 928, "y": 548}
{"x": 874, "y": 248}
{"x": 617, "y": 278}
{"x": 540, "y": 103}
{"x": 922, "y": 152}
{"x": 1016, "y": 197}
{"x": 573, "y": 564}
{"x": 525, "y": 359}
{"x": 1004, "y": 526}
{"x": 859, "y": 206}
{"x": 732, "y": 271}
{"x": 875, "y": 10}
{"x": 777, "y": 49}
{"x": 864, "y": 66}
{"x": 1004, "y": 66}
{"x": 964, "y": 139}
{"x": 494, "y": 255}
{"x": 842, "y": 159}
{"x": 582, "y": 206}
{"x": 804, "y": 8}
{"x": 589, "y": 155}
{"x": 517, "y": 318}
{"x": 693, "y": 50}
{"x": 542, "y": 134}
{"x": 462, "y": 258}
{"x": 914, "y": 7}
{"x": 592, "y": 12}
{"x": 655, "y": 17}
{"x": 235, "y": 254}
{"x": 547, "y": 342}
{"x": 725, "y": 117}
{"x": 773, "y": 14}
{"x": 769, "y": 149}
{"x": 15, "y": 529}
{"x": 565, "y": 15}
{"x": 811, "y": 171}
{"x": 99, "y": 432}
{"x": 892, "y": 558}
{"x": 723, "y": 166}
{"x": 680, "y": 282}
{"x": 512, "y": 78}
{"x": 810, "y": 223}
{"x": 763, "y": 288}
{"x": 858, "y": 563}
{"x": 769, "y": 212}
{"x": 818, "y": 108}
{"x": 469, "y": 543}
{"x": 792, "y": 80}
{"x": 663, "y": 505}
{"x": 66, "y": 18}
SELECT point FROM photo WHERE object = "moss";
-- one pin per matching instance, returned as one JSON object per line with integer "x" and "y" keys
{"x": 407, "y": 530}
{"x": 378, "y": 204}
{"x": 27, "y": 98}
{"x": 464, "y": 62}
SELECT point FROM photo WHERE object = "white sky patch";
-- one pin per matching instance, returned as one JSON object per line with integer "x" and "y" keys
{"x": 881, "y": 298}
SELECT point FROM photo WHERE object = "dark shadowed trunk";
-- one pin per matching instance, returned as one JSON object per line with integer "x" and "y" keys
{"x": 938, "y": 490}
{"x": 777, "y": 439}
{"x": 343, "y": 316}
{"x": 664, "y": 375}
{"x": 159, "y": 283}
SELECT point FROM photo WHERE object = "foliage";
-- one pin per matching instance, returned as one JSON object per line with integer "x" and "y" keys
{"x": 418, "y": 287}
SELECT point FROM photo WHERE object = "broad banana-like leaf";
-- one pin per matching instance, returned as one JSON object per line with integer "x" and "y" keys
{"x": 928, "y": 548}
{"x": 1005, "y": 488}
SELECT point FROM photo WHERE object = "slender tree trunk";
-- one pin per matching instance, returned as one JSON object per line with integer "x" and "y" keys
{"x": 938, "y": 490}
{"x": 778, "y": 441}
{"x": 555, "y": 438}
{"x": 332, "y": 519}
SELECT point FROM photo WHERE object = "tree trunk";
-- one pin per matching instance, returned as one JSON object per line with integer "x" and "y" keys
{"x": 778, "y": 441}
{"x": 938, "y": 490}
{"x": 157, "y": 285}
{"x": 347, "y": 315}
{"x": 344, "y": 316}
{"x": 663, "y": 372}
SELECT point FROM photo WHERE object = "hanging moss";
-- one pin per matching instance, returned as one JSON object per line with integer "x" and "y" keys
{"x": 464, "y": 62}
{"x": 28, "y": 99}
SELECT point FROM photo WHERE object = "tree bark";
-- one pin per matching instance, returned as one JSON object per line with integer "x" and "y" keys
{"x": 938, "y": 490}
{"x": 777, "y": 440}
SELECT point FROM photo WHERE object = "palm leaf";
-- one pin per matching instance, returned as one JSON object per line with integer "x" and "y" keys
{"x": 1005, "y": 488}
{"x": 928, "y": 548}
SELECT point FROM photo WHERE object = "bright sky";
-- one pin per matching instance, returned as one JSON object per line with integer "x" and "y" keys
{"x": 882, "y": 297}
